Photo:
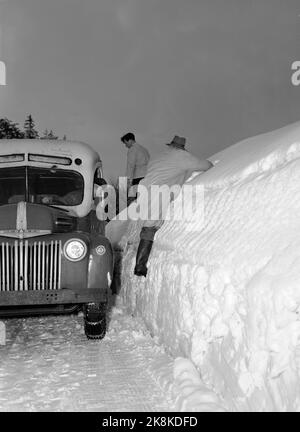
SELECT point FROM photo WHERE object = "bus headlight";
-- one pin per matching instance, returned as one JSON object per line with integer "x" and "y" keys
{"x": 75, "y": 249}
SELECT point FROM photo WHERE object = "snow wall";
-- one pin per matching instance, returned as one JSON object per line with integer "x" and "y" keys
{"x": 226, "y": 294}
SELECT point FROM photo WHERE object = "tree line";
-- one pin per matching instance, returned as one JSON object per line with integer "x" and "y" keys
{"x": 12, "y": 130}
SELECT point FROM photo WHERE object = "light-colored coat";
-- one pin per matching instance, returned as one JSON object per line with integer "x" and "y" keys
{"x": 137, "y": 161}
{"x": 171, "y": 167}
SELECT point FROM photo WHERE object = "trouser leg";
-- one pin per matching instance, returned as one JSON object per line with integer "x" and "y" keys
{"x": 144, "y": 249}
{"x": 132, "y": 192}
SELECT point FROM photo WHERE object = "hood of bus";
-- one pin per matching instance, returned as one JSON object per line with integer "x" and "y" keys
{"x": 24, "y": 220}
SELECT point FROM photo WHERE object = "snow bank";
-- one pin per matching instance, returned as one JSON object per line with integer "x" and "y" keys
{"x": 226, "y": 295}
{"x": 191, "y": 393}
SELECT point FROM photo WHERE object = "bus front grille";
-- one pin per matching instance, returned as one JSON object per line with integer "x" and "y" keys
{"x": 28, "y": 265}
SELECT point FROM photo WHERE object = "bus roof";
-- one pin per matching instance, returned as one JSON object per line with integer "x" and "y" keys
{"x": 49, "y": 147}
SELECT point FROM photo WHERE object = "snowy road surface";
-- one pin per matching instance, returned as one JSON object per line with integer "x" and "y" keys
{"x": 48, "y": 364}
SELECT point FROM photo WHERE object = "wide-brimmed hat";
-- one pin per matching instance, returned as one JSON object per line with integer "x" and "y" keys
{"x": 178, "y": 142}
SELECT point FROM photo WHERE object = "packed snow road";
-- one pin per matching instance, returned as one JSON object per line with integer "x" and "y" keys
{"x": 48, "y": 364}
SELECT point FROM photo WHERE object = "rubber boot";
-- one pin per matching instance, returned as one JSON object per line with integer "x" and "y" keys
{"x": 142, "y": 256}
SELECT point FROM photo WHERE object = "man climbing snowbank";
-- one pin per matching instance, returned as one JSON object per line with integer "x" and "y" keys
{"x": 226, "y": 294}
{"x": 171, "y": 168}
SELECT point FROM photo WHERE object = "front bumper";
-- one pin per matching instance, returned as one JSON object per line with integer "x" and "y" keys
{"x": 51, "y": 297}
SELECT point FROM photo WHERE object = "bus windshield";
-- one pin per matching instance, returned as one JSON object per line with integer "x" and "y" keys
{"x": 49, "y": 186}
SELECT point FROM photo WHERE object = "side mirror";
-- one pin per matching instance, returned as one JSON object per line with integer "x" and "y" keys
{"x": 100, "y": 181}
{"x": 100, "y": 194}
{"x": 97, "y": 192}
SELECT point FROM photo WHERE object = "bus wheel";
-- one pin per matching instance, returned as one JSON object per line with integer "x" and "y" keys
{"x": 94, "y": 320}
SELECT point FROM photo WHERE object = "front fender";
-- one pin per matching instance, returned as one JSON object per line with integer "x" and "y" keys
{"x": 100, "y": 263}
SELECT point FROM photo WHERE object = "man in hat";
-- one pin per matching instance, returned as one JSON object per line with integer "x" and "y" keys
{"x": 137, "y": 160}
{"x": 172, "y": 167}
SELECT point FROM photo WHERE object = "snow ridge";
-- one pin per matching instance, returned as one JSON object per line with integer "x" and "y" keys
{"x": 226, "y": 294}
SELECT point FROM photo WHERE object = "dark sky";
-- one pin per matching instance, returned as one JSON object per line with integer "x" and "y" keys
{"x": 214, "y": 71}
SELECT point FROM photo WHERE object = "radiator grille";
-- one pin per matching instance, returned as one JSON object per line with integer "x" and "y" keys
{"x": 30, "y": 266}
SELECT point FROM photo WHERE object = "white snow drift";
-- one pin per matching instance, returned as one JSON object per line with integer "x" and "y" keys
{"x": 226, "y": 295}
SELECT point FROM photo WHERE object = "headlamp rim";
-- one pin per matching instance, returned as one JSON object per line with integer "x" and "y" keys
{"x": 68, "y": 243}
